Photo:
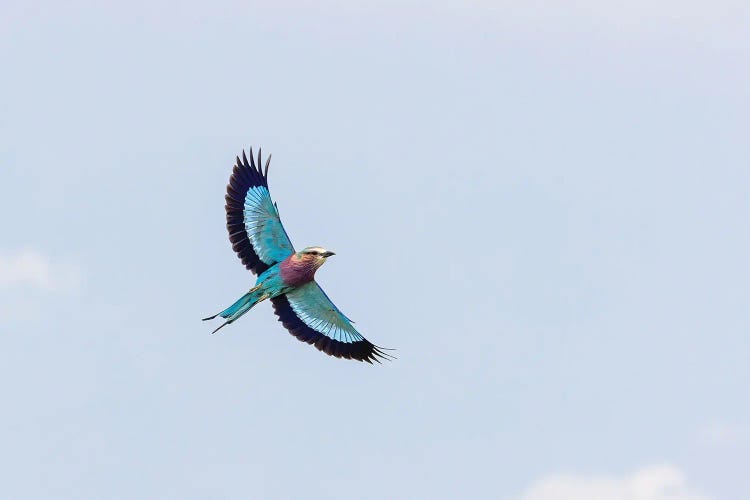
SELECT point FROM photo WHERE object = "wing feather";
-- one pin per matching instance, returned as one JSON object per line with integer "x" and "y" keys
{"x": 309, "y": 315}
{"x": 253, "y": 222}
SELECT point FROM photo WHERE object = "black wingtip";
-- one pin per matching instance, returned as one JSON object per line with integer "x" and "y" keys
{"x": 268, "y": 160}
{"x": 377, "y": 352}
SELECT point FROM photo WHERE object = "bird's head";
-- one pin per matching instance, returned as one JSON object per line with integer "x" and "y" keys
{"x": 315, "y": 255}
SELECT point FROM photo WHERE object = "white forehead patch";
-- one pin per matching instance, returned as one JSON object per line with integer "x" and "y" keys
{"x": 314, "y": 249}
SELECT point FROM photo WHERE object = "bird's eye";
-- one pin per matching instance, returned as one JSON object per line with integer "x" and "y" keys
{"x": 314, "y": 253}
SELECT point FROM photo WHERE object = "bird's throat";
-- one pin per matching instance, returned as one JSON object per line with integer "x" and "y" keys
{"x": 297, "y": 271}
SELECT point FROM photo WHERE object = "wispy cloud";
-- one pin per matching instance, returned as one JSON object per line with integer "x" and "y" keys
{"x": 654, "y": 482}
{"x": 32, "y": 269}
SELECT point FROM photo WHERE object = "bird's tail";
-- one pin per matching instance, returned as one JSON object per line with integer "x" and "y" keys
{"x": 240, "y": 307}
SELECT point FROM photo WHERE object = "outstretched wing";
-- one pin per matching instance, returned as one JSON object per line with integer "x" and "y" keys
{"x": 253, "y": 222}
{"x": 309, "y": 315}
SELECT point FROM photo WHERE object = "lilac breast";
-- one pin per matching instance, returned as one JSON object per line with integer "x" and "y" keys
{"x": 296, "y": 272}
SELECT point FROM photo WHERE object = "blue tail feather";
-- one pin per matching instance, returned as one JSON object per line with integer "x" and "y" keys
{"x": 240, "y": 307}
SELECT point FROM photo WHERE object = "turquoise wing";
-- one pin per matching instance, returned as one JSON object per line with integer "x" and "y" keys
{"x": 309, "y": 315}
{"x": 253, "y": 222}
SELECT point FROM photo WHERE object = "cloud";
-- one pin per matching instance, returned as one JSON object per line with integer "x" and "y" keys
{"x": 31, "y": 269}
{"x": 654, "y": 482}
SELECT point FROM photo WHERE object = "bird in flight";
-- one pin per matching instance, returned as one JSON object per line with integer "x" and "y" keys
{"x": 285, "y": 276}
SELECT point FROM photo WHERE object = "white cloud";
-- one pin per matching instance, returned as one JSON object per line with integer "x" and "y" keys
{"x": 29, "y": 268}
{"x": 654, "y": 482}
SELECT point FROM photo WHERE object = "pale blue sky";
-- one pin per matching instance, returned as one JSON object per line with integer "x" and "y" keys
{"x": 544, "y": 208}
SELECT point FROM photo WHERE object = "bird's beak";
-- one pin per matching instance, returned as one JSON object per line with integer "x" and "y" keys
{"x": 328, "y": 253}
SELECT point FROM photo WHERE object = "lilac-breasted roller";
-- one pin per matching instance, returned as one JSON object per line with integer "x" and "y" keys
{"x": 284, "y": 276}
